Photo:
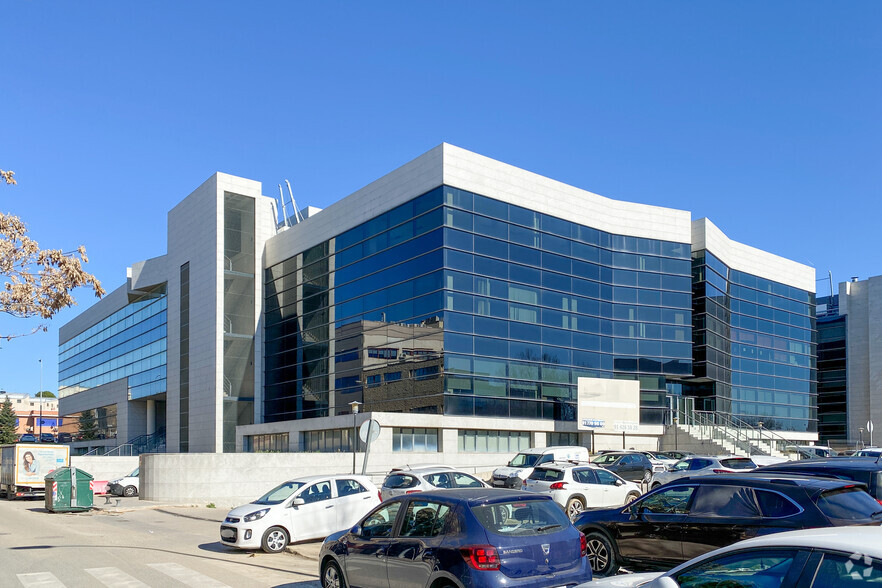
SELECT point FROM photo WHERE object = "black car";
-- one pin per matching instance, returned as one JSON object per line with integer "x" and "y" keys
{"x": 630, "y": 465}
{"x": 692, "y": 516}
{"x": 480, "y": 538}
{"x": 65, "y": 438}
{"x": 860, "y": 469}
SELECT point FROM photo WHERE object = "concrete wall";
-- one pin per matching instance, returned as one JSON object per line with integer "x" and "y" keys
{"x": 105, "y": 468}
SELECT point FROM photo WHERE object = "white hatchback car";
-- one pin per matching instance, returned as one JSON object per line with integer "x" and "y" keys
{"x": 311, "y": 507}
{"x": 125, "y": 486}
{"x": 425, "y": 479}
{"x": 576, "y": 486}
{"x": 834, "y": 557}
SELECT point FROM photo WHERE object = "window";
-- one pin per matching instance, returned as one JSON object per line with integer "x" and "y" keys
{"x": 775, "y": 505}
{"x": 383, "y": 352}
{"x": 380, "y": 522}
{"x": 848, "y": 504}
{"x": 392, "y": 376}
{"x": 752, "y": 568}
{"x": 424, "y": 519}
{"x": 546, "y": 475}
{"x": 414, "y": 439}
{"x": 374, "y": 380}
{"x": 724, "y": 501}
{"x": 349, "y": 487}
{"x": 563, "y": 439}
{"x": 606, "y": 478}
{"x": 523, "y": 518}
{"x": 271, "y": 443}
{"x": 330, "y": 441}
{"x": 670, "y": 501}
{"x": 837, "y": 569}
{"x": 584, "y": 476}
{"x": 466, "y": 481}
{"x": 317, "y": 492}
{"x": 425, "y": 373}
{"x": 483, "y": 441}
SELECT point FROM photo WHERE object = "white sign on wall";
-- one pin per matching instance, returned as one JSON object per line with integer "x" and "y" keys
{"x": 608, "y": 406}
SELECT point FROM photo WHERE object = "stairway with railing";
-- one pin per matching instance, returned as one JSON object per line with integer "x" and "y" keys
{"x": 150, "y": 443}
{"x": 731, "y": 433}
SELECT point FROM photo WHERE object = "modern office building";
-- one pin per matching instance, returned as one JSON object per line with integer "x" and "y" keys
{"x": 474, "y": 296}
{"x": 832, "y": 374}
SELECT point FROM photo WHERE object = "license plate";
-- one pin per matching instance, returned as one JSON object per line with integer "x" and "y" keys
{"x": 228, "y": 534}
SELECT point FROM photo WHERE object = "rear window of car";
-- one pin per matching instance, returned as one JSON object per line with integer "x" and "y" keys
{"x": 546, "y": 475}
{"x": 848, "y": 504}
{"x": 738, "y": 463}
{"x": 399, "y": 481}
{"x": 521, "y": 517}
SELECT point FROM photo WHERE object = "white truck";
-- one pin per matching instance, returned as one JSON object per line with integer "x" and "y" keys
{"x": 24, "y": 465}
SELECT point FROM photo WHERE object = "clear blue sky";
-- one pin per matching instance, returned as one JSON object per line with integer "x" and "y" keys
{"x": 764, "y": 117}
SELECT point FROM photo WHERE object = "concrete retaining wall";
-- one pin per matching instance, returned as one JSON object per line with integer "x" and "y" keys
{"x": 105, "y": 467}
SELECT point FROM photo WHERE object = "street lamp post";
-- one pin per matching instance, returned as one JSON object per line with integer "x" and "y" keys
{"x": 861, "y": 429}
{"x": 354, "y": 405}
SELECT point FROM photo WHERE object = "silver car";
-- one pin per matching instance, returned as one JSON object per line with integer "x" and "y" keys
{"x": 424, "y": 479}
{"x": 696, "y": 465}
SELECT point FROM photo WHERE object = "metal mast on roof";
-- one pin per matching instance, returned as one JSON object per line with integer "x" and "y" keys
{"x": 282, "y": 201}
{"x": 297, "y": 216}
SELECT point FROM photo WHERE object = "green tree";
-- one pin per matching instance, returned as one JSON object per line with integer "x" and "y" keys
{"x": 45, "y": 394}
{"x": 7, "y": 423}
{"x": 88, "y": 425}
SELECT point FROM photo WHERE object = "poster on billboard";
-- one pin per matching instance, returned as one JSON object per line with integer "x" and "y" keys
{"x": 608, "y": 406}
{"x": 35, "y": 461}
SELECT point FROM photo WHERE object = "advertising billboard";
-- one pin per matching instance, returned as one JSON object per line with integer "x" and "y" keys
{"x": 35, "y": 461}
{"x": 608, "y": 406}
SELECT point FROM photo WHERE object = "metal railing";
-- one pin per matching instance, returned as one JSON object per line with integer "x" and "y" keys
{"x": 733, "y": 433}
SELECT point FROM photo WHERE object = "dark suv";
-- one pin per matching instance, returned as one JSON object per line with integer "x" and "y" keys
{"x": 692, "y": 516}
{"x": 860, "y": 469}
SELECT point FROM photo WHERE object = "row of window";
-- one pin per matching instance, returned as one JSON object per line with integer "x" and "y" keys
{"x": 137, "y": 366}
{"x": 136, "y": 348}
{"x": 116, "y": 322}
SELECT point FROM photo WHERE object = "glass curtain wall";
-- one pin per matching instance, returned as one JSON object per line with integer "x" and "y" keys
{"x": 184, "y": 371}
{"x": 832, "y": 379}
{"x": 755, "y": 340}
{"x": 457, "y": 303}
{"x": 130, "y": 343}
{"x": 238, "y": 319}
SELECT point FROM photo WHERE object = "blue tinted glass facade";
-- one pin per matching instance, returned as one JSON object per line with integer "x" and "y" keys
{"x": 130, "y": 343}
{"x": 755, "y": 343}
{"x": 832, "y": 375}
{"x": 461, "y": 304}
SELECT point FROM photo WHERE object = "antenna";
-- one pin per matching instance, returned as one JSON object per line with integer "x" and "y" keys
{"x": 830, "y": 275}
{"x": 282, "y": 199}
{"x": 297, "y": 216}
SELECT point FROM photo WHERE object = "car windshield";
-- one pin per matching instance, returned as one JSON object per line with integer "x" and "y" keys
{"x": 280, "y": 493}
{"x": 134, "y": 474}
{"x": 524, "y": 460}
{"x": 849, "y": 504}
{"x": 546, "y": 475}
{"x": 738, "y": 463}
{"x": 521, "y": 517}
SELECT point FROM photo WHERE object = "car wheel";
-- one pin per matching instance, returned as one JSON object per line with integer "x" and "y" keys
{"x": 656, "y": 485}
{"x": 601, "y": 555}
{"x": 332, "y": 577}
{"x": 275, "y": 540}
{"x": 631, "y": 497}
{"x": 575, "y": 506}
{"x": 647, "y": 476}
{"x": 130, "y": 491}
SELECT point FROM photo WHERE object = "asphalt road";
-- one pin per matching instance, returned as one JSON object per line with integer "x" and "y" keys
{"x": 134, "y": 545}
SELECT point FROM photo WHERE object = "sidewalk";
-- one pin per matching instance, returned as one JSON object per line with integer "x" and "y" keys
{"x": 116, "y": 504}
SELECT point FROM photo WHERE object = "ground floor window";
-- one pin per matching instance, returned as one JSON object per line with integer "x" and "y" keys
{"x": 414, "y": 439}
{"x": 271, "y": 443}
{"x": 330, "y": 441}
{"x": 479, "y": 441}
{"x": 562, "y": 439}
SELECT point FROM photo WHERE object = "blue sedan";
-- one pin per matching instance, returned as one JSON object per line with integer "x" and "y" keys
{"x": 457, "y": 538}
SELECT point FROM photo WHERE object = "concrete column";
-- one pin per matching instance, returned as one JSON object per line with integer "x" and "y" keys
{"x": 151, "y": 417}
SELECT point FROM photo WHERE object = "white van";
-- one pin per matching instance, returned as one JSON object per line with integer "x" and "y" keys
{"x": 520, "y": 468}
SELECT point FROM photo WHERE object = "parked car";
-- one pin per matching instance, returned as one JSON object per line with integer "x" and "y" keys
{"x": 865, "y": 471}
{"x": 461, "y": 537}
{"x": 676, "y": 454}
{"x": 868, "y": 452}
{"x": 629, "y": 465}
{"x": 47, "y": 438}
{"x": 659, "y": 462}
{"x": 811, "y": 451}
{"x": 811, "y": 558}
{"x": 27, "y": 438}
{"x": 575, "y": 486}
{"x": 693, "y": 516}
{"x": 125, "y": 486}
{"x": 408, "y": 481}
{"x": 65, "y": 438}
{"x": 695, "y": 465}
{"x": 521, "y": 466}
{"x": 311, "y": 507}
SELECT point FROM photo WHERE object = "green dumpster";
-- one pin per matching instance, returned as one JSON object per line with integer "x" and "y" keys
{"x": 68, "y": 490}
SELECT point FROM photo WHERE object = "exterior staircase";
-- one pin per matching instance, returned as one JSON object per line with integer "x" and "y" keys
{"x": 716, "y": 433}
{"x": 152, "y": 443}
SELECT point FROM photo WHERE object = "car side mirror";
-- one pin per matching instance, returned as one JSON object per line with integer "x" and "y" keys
{"x": 619, "y": 482}
{"x": 666, "y": 582}
{"x": 635, "y": 511}
{"x": 298, "y": 502}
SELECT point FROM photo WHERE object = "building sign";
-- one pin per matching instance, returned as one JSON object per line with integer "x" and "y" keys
{"x": 608, "y": 406}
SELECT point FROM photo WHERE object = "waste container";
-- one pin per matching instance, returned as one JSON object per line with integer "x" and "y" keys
{"x": 68, "y": 490}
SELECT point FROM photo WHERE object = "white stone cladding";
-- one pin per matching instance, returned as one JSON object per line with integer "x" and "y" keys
{"x": 741, "y": 257}
{"x": 459, "y": 168}
{"x": 861, "y": 301}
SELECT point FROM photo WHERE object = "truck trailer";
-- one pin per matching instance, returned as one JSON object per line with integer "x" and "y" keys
{"x": 24, "y": 465}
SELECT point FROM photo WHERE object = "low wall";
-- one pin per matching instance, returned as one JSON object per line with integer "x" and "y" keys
{"x": 231, "y": 479}
{"x": 105, "y": 467}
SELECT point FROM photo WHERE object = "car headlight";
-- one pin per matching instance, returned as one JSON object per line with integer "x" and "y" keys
{"x": 255, "y": 515}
